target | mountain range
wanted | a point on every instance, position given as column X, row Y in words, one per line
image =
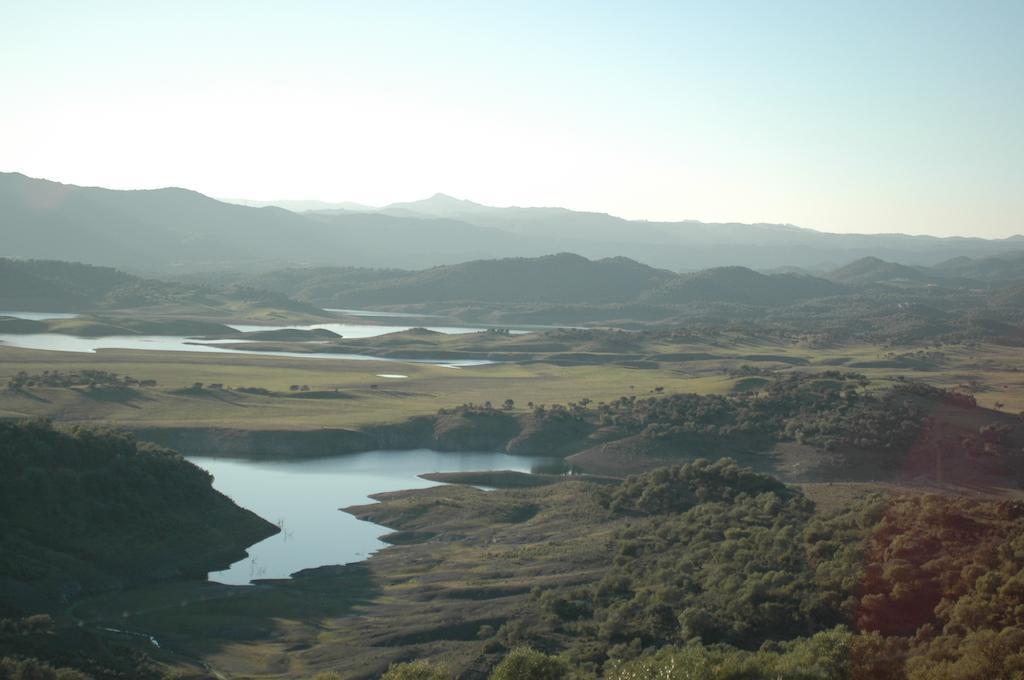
column 179, row 230
column 570, row 279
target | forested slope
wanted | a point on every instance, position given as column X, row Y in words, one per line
column 91, row 510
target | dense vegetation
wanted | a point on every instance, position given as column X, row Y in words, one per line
column 84, row 378
column 827, row 410
column 741, row 579
column 715, row 553
column 716, row 572
column 88, row 510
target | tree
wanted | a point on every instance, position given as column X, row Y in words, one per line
column 523, row 663
column 416, row 670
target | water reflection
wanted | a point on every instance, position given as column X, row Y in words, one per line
column 303, row 498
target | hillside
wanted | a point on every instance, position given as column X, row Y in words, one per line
column 92, row 510
column 179, row 230
column 740, row 285
column 49, row 285
column 874, row 270
column 879, row 301
column 957, row 272
column 1008, row 267
column 565, row 278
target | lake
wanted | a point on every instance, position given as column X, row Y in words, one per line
column 177, row 343
column 58, row 342
column 303, row 497
column 356, row 331
column 39, row 316
column 387, row 315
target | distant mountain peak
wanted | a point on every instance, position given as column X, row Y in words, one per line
column 176, row 227
column 438, row 205
column 443, row 200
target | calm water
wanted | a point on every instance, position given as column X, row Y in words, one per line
column 39, row 316
column 356, row 331
column 304, row 497
column 177, row 343
column 371, row 313
column 170, row 343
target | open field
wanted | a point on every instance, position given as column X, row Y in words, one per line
column 427, row 388
column 348, row 398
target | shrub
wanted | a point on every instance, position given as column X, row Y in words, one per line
column 523, row 663
column 416, row 670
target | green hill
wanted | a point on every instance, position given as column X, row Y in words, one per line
column 740, row 285
column 50, row 285
column 563, row 278
column 869, row 270
column 93, row 510
column 1008, row 267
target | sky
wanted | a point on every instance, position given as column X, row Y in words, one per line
column 841, row 116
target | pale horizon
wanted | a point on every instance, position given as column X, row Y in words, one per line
column 332, row 202
column 855, row 118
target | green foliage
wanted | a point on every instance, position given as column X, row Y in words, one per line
column 523, row 663
column 678, row 488
column 719, row 554
column 825, row 656
column 32, row 669
column 94, row 508
column 827, row 410
column 416, row 670
column 933, row 585
column 84, row 377
column 947, row 576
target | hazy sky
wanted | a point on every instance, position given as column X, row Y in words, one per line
column 842, row 116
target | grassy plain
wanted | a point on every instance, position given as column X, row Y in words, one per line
column 427, row 388
column 352, row 393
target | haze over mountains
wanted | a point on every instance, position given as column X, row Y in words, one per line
column 567, row 278
column 167, row 230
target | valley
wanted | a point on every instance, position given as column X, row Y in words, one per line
column 511, row 341
column 461, row 465
column 435, row 489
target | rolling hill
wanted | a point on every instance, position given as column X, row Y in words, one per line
column 1005, row 267
column 739, row 285
column 562, row 279
column 959, row 272
column 54, row 286
column 176, row 230
column 874, row 270
column 180, row 230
